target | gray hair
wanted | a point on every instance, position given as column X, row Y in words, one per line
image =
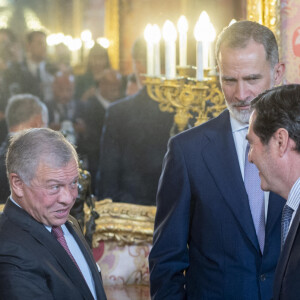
column 21, row 108
column 240, row 33
column 29, row 147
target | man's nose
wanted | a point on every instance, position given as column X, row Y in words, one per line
column 69, row 194
column 241, row 91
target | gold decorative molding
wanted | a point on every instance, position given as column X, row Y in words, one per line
column 112, row 31
column 122, row 222
column 265, row 12
column 1, row 207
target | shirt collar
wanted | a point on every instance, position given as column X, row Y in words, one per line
column 236, row 125
column 294, row 196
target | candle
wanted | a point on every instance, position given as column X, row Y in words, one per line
column 199, row 51
column 156, row 40
column 199, row 61
column 148, row 37
column 182, row 26
column 211, row 35
column 170, row 35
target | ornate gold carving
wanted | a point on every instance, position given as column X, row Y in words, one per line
column 112, row 25
column 265, row 12
column 1, row 207
column 122, row 222
column 187, row 97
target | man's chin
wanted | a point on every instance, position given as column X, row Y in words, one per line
column 241, row 115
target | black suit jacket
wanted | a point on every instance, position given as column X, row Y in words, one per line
column 134, row 141
column 287, row 275
column 4, row 185
column 205, row 245
column 33, row 265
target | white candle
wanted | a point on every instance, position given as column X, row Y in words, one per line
column 212, row 64
column 199, row 61
column 170, row 35
column 205, row 54
column 199, row 51
column 211, row 50
column 156, row 39
column 148, row 38
column 182, row 26
column 150, row 65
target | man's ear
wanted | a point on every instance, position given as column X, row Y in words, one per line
column 278, row 73
column 16, row 184
column 281, row 137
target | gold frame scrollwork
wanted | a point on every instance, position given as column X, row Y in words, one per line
column 112, row 31
column 265, row 12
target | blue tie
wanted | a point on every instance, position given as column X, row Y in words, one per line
column 256, row 199
column 287, row 213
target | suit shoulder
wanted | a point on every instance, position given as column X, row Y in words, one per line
column 205, row 130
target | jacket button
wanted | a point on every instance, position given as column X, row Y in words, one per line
column 262, row 277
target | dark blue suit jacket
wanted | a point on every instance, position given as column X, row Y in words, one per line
column 34, row 266
column 133, row 144
column 205, row 245
column 287, row 275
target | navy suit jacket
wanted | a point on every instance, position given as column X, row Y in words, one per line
column 287, row 275
column 33, row 265
column 133, row 144
column 205, row 245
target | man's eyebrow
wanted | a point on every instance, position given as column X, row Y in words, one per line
column 252, row 76
column 228, row 78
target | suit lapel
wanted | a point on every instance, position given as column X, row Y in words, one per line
column 76, row 232
column 275, row 207
column 221, row 159
column 41, row 234
column 285, row 255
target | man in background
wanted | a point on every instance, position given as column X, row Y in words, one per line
column 43, row 254
column 34, row 74
column 213, row 237
column 274, row 138
column 133, row 143
column 109, row 89
column 23, row 111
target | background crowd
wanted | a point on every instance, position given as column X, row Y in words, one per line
column 122, row 147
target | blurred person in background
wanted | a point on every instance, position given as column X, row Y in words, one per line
column 23, row 111
column 133, row 143
column 109, row 89
column 86, row 84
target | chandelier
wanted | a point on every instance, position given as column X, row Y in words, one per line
column 192, row 93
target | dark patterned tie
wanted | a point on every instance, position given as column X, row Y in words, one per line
column 59, row 235
column 287, row 213
column 256, row 199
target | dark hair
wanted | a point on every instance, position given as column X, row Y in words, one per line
column 278, row 108
column 139, row 50
column 240, row 33
column 9, row 33
column 30, row 35
column 98, row 50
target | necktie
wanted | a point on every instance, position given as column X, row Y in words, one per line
column 287, row 213
column 256, row 199
column 59, row 235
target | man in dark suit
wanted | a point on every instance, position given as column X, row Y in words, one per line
column 23, row 111
column 206, row 243
column 274, row 138
column 109, row 90
column 34, row 74
column 134, row 140
column 43, row 254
